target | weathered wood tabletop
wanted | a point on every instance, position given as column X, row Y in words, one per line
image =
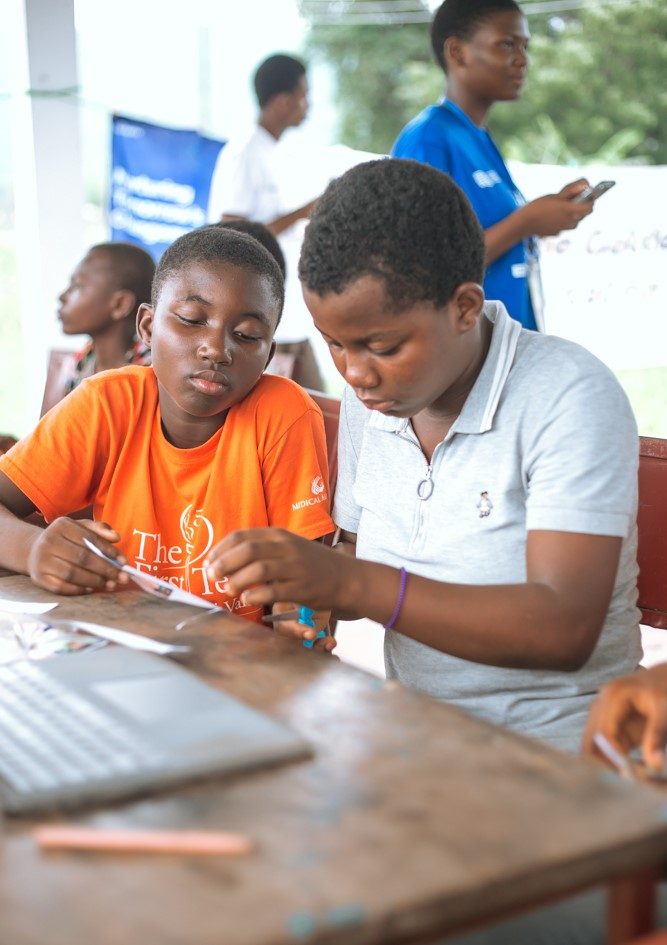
column 411, row 820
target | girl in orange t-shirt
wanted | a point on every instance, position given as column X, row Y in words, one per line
column 175, row 456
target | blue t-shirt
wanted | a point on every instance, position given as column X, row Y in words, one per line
column 444, row 137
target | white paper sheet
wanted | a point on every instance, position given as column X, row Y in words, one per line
column 134, row 640
column 24, row 607
column 153, row 585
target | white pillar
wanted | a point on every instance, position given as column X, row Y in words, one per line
column 48, row 175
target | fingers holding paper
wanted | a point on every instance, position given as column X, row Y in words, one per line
column 60, row 562
column 631, row 712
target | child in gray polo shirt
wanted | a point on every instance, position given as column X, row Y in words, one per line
column 487, row 474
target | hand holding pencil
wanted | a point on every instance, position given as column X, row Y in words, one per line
column 309, row 625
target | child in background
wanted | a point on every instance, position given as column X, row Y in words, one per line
column 102, row 300
column 487, row 474
column 174, row 456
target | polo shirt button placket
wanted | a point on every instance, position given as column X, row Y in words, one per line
column 424, row 493
column 425, row 487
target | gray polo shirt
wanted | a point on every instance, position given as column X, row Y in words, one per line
column 545, row 440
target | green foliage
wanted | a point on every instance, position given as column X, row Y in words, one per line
column 595, row 90
column 383, row 77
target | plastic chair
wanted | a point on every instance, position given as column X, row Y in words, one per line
column 59, row 370
column 282, row 364
column 652, row 531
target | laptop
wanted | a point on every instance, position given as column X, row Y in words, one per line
column 108, row 723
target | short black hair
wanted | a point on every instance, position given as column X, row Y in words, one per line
column 400, row 221
column 215, row 244
column 462, row 18
column 279, row 73
column 262, row 234
column 131, row 269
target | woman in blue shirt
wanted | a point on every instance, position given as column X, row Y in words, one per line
column 481, row 45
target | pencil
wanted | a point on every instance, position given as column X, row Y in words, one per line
column 285, row 615
column 187, row 842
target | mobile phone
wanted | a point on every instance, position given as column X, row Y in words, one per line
column 592, row 193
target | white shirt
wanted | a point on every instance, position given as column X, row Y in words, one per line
column 244, row 179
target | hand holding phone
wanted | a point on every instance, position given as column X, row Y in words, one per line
column 592, row 193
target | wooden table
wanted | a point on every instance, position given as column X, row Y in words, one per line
column 411, row 821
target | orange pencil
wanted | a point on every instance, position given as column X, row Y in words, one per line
column 187, row 842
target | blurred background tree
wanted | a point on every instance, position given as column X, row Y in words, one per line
column 595, row 91
column 380, row 62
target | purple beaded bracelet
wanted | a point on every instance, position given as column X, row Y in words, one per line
column 399, row 603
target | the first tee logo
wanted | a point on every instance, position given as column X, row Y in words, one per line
column 182, row 563
column 194, row 525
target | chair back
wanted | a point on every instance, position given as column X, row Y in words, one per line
column 658, row 938
column 652, row 529
column 59, row 370
column 330, row 407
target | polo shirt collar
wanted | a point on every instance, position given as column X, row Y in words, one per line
column 480, row 407
column 481, row 404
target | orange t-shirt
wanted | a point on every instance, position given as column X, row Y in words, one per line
column 103, row 446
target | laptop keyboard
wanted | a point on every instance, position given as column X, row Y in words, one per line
column 52, row 739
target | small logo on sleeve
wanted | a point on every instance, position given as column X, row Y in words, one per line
column 318, row 495
column 484, row 505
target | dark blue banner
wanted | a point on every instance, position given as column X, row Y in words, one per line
column 160, row 182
